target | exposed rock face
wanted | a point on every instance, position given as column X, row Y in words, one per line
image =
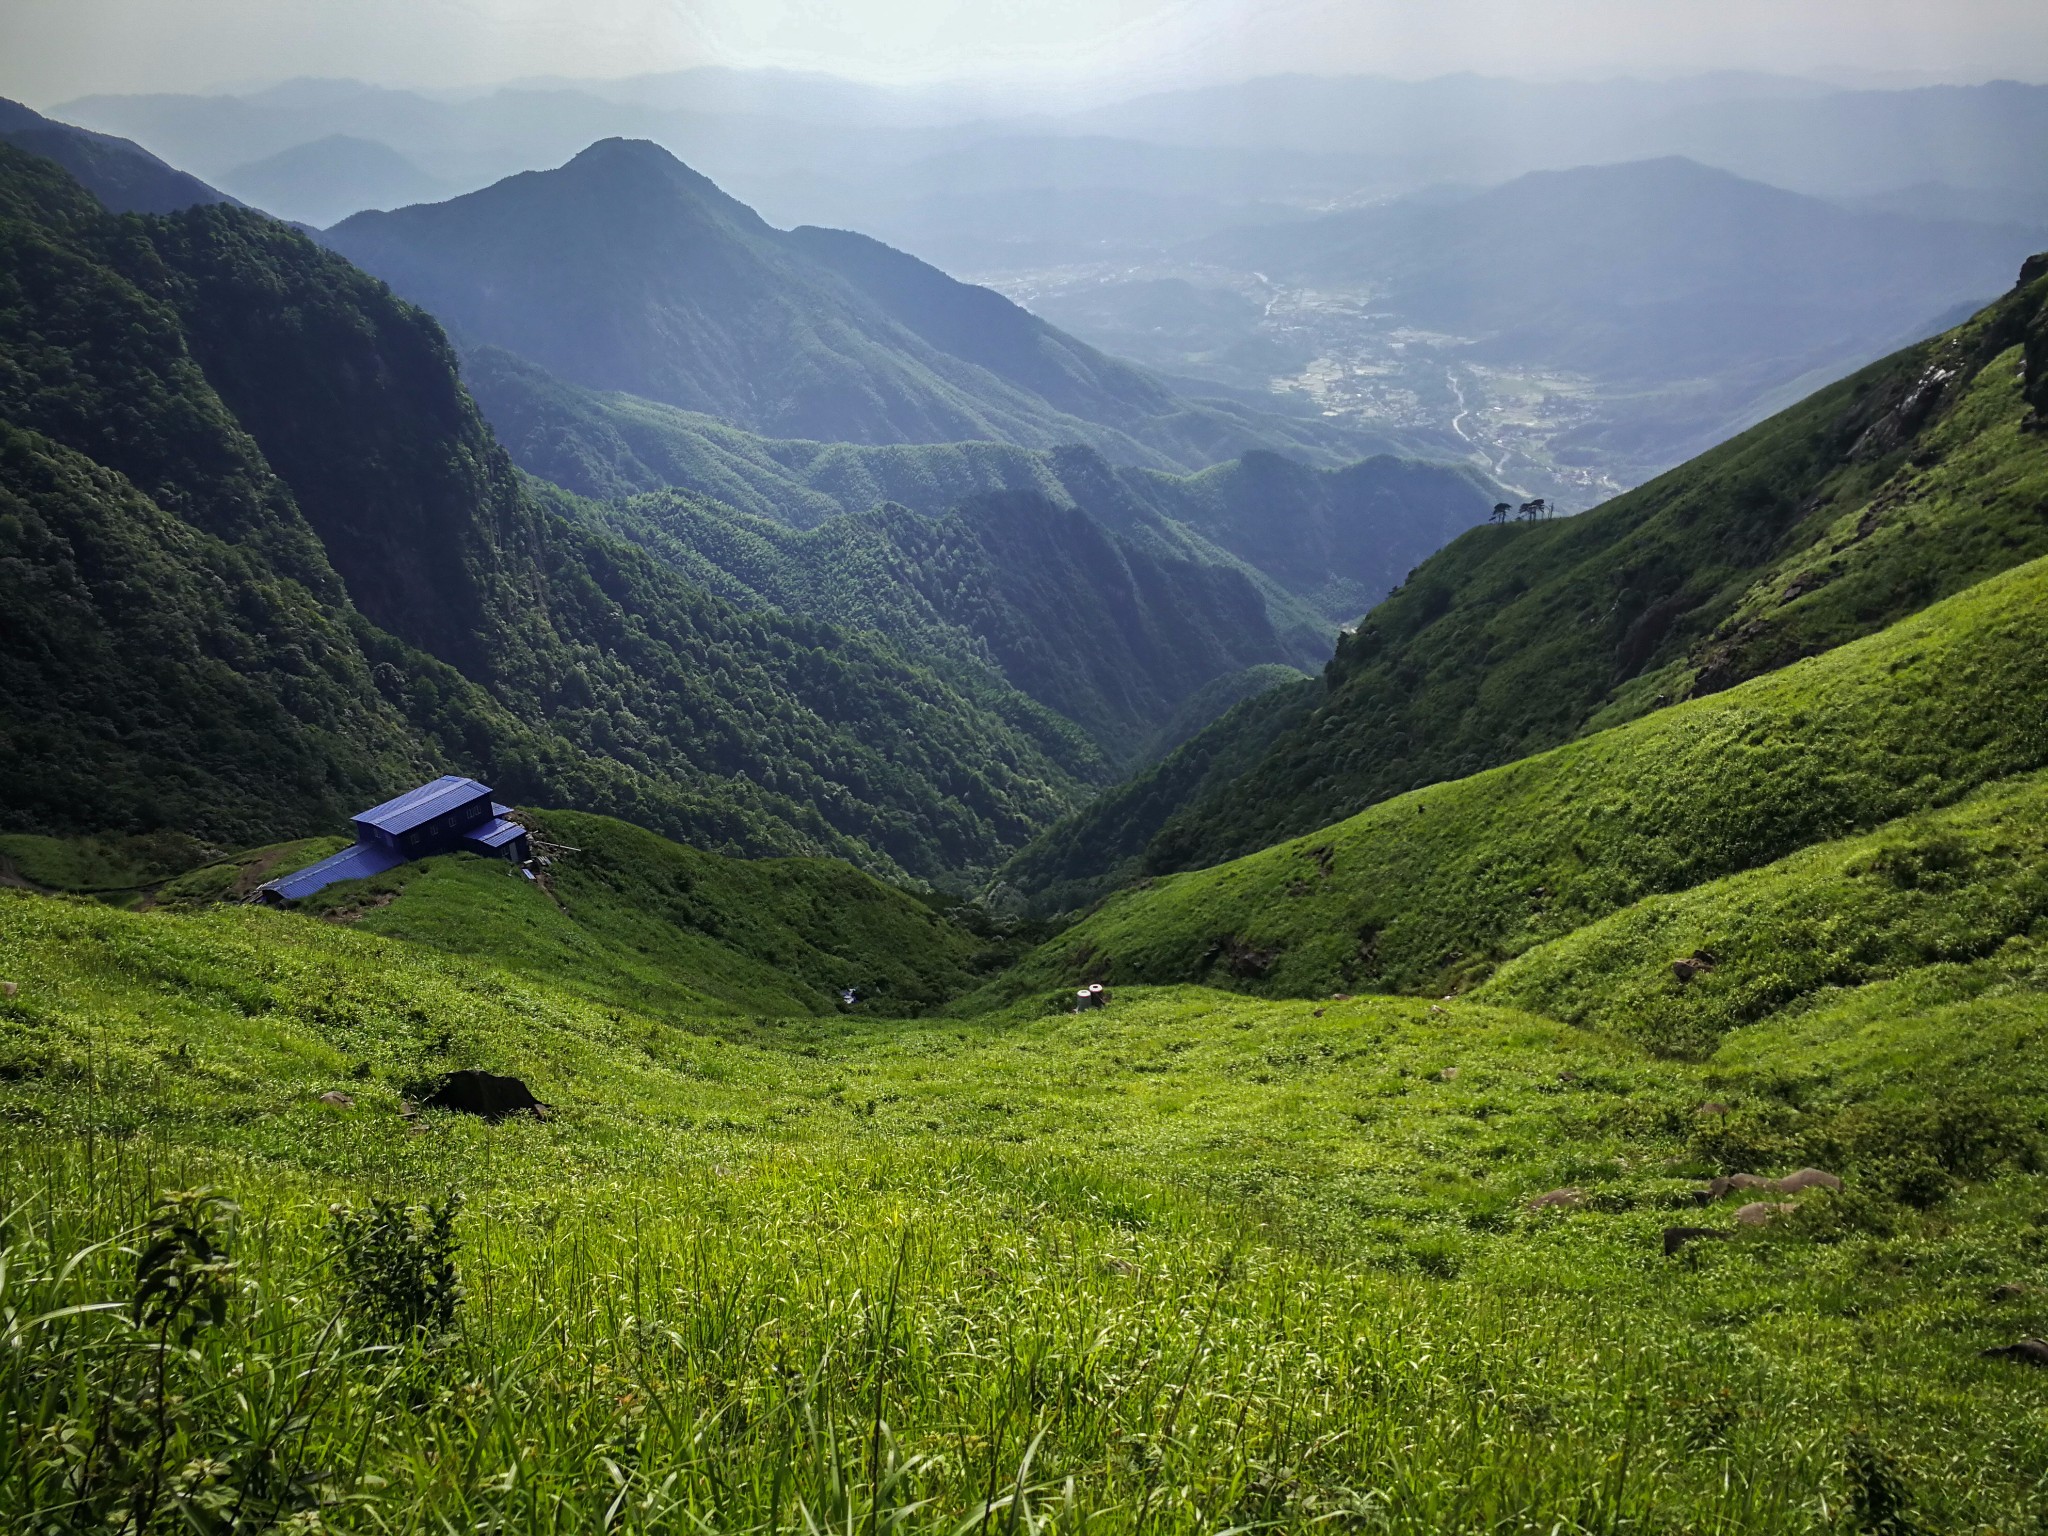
column 486, row 1095
column 2026, row 1352
column 1699, row 963
column 1558, row 1199
column 1807, row 1178
column 1762, row 1212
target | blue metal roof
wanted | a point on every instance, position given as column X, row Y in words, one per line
column 357, row 862
column 418, row 806
column 494, row 834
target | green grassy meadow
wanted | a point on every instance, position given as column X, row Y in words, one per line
column 1199, row 1262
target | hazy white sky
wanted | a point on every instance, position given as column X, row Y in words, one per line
column 51, row 50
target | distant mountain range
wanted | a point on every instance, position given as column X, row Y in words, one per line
column 1649, row 269
column 984, row 192
column 1586, row 326
column 1794, row 133
column 626, row 270
column 325, row 181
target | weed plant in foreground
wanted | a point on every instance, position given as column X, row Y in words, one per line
column 1203, row 1262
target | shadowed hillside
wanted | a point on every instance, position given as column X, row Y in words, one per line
column 1334, row 538
column 269, row 565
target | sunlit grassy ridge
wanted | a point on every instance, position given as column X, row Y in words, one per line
column 1945, row 888
column 1197, row 1262
column 1888, row 490
column 1432, row 890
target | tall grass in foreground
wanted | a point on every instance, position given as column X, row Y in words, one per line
column 963, row 1340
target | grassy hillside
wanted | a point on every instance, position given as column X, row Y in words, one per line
column 1900, row 485
column 1432, row 890
column 268, row 566
column 1961, row 892
column 636, row 921
column 1200, row 1261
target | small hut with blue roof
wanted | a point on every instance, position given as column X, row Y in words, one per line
column 450, row 815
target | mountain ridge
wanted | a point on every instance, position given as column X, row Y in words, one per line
column 685, row 295
column 122, row 175
column 1329, row 537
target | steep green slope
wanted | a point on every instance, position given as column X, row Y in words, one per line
column 1882, row 493
column 1962, row 890
column 1432, row 890
column 626, row 270
column 297, row 572
column 157, row 676
column 1112, row 635
column 1336, row 538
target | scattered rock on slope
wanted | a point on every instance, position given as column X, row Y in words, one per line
column 485, row 1094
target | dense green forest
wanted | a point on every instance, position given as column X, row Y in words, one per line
column 1882, row 493
column 268, row 565
column 1332, row 540
column 1113, row 635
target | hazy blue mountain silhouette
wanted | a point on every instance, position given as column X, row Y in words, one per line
column 626, row 270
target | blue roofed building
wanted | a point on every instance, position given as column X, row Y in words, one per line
column 449, row 815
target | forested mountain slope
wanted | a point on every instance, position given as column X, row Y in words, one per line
column 1903, row 483
column 265, row 564
column 626, row 270
column 121, row 174
column 1431, row 891
column 1336, row 538
column 1113, row 635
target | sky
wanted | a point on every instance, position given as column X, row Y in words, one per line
column 53, row 50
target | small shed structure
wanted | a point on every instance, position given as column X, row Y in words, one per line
column 449, row 815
